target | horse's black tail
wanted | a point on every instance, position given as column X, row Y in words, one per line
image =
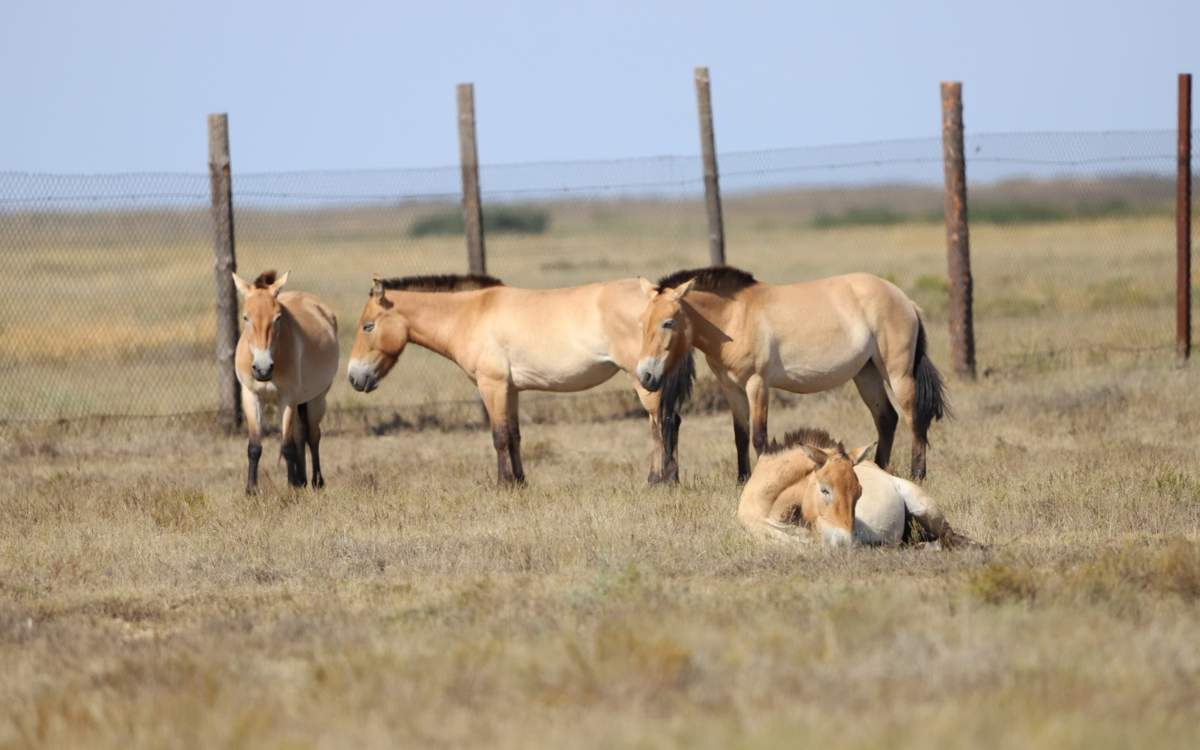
column 676, row 390
column 929, row 401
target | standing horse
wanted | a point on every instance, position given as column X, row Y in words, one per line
column 804, row 338
column 287, row 354
column 509, row 340
column 810, row 481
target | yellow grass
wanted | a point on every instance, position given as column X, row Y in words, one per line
column 145, row 602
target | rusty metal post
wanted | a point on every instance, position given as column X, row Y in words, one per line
column 712, row 187
column 229, row 402
column 468, row 156
column 1183, row 225
column 958, row 250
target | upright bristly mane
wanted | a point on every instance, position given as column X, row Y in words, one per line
column 716, row 279
column 264, row 280
column 446, row 282
column 810, row 436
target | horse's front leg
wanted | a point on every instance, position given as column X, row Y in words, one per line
column 495, row 395
column 292, row 437
column 759, row 396
column 663, row 464
column 739, row 408
column 252, row 409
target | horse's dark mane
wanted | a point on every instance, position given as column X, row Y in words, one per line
column 264, row 280
column 717, row 279
column 810, row 436
column 446, row 282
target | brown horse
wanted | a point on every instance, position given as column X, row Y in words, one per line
column 509, row 340
column 810, row 479
column 287, row 353
column 805, row 338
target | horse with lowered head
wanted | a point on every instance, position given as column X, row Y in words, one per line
column 287, row 354
column 509, row 340
column 805, row 338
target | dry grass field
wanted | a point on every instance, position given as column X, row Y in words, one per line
column 146, row 602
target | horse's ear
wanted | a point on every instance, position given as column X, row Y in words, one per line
column 274, row 288
column 378, row 292
column 816, row 455
column 648, row 288
column 859, row 455
column 242, row 287
column 678, row 292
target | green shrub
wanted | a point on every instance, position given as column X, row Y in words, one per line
column 496, row 220
column 867, row 216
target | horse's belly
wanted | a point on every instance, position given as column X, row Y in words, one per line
column 564, row 380
column 824, row 360
column 879, row 514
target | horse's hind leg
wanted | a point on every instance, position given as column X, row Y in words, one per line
column 252, row 409
column 292, row 439
column 874, row 394
column 514, row 436
column 313, row 412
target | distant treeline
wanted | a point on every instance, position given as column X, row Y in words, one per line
column 496, row 219
column 1016, row 212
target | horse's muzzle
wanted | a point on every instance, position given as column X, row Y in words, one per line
column 649, row 374
column 262, row 375
column 650, row 383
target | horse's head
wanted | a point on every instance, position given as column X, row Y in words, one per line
column 666, row 333
column 381, row 336
column 261, row 311
column 833, row 491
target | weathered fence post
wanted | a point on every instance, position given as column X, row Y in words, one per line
column 468, row 156
column 229, row 403
column 1183, row 225
column 958, row 251
column 712, row 186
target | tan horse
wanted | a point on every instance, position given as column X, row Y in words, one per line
column 287, row 354
column 804, row 338
column 809, row 481
column 509, row 340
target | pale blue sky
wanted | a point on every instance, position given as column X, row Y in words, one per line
column 125, row 85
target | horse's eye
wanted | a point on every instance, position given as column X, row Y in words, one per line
column 277, row 317
column 825, row 491
column 245, row 318
column 668, row 324
column 368, row 326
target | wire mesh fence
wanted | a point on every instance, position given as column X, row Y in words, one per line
column 106, row 303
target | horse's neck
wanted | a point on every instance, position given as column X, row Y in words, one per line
column 710, row 315
column 433, row 318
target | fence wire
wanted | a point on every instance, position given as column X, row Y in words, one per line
column 106, row 303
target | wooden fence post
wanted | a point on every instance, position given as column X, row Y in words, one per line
column 712, row 187
column 1183, row 225
column 958, row 251
column 468, row 156
column 229, row 403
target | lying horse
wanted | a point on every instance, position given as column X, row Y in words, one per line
column 509, row 340
column 810, row 481
column 287, row 353
column 805, row 338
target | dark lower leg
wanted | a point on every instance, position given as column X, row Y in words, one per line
column 514, row 452
column 500, row 442
column 760, row 437
column 318, row 480
column 918, row 457
column 885, row 426
column 741, row 440
column 253, row 453
column 295, row 475
column 670, row 466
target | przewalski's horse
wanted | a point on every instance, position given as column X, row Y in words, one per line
column 805, row 337
column 510, row 340
column 287, row 354
column 807, row 481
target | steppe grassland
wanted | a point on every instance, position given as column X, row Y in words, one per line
column 144, row 601
column 119, row 320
